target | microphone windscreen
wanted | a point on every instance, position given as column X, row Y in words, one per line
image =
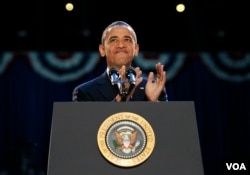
column 130, row 71
column 113, row 71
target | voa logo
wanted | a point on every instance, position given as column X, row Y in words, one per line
column 236, row 166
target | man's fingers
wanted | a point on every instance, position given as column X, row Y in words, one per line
column 150, row 76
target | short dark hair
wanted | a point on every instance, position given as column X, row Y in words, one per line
column 118, row 23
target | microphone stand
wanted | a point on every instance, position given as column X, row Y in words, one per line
column 120, row 85
column 123, row 92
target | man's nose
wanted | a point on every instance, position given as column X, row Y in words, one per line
column 121, row 44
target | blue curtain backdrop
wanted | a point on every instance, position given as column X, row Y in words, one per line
column 218, row 83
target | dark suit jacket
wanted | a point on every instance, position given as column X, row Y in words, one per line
column 101, row 89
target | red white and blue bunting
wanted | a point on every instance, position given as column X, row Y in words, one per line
column 64, row 67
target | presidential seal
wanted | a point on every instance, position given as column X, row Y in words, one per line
column 126, row 139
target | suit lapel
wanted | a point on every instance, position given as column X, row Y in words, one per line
column 105, row 87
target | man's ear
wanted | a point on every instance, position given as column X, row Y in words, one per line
column 101, row 50
column 136, row 49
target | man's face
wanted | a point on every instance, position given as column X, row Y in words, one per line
column 119, row 47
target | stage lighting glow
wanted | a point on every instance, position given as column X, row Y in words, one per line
column 180, row 7
column 69, row 6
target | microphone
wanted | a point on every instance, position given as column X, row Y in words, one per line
column 114, row 76
column 130, row 74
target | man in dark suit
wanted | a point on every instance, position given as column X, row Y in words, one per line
column 119, row 46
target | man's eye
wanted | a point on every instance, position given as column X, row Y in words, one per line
column 128, row 39
column 112, row 40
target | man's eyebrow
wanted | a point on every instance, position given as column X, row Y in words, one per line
column 128, row 36
column 112, row 37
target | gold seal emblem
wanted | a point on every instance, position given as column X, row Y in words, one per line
column 126, row 139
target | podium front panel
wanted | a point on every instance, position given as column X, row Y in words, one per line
column 73, row 142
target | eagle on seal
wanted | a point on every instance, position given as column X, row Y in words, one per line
column 126, row 140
